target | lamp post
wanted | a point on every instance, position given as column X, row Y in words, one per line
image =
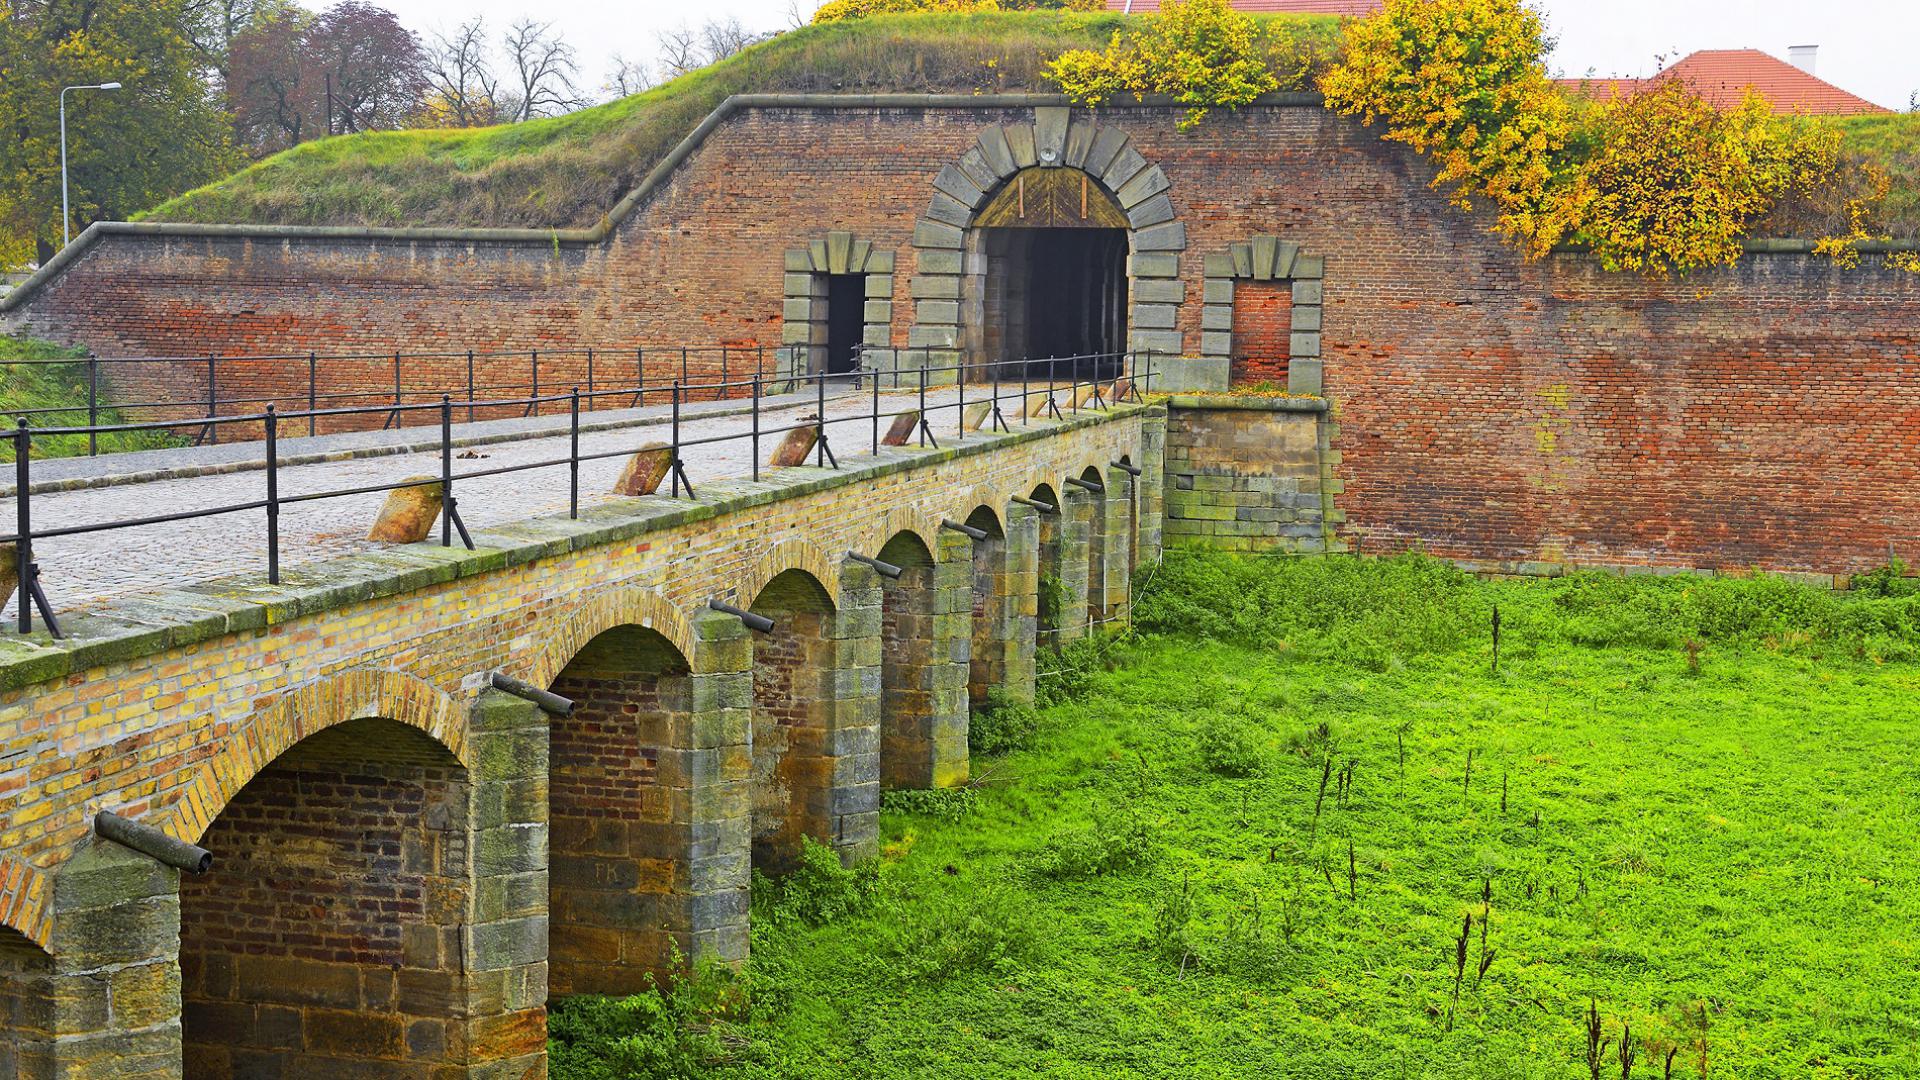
column 66, row 218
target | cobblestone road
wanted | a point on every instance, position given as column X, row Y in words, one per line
column 82, row 571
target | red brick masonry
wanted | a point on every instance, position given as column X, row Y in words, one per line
column 1487, row 408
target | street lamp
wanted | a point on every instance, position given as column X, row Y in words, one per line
column 66, row 219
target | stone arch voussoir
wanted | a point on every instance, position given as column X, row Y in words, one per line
column 614, row 606
column 304, row 710
column 793, row 553
column 899, row 519
column 25, row 893
column 1057, row 137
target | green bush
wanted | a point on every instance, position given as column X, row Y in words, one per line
column 1066, row 674
column 669, row 1034
column 944, row 804
column 956, row 932
column 819, row 890
column 1001, row 723
column 1119, row 839
column 1228, row 746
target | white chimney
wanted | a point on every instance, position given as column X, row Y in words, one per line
column 1802, row 56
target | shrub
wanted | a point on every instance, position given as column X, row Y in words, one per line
column 1465, row 82
column 956, row 932
column 946, row 804
column 819, row 890
column 1201, row 53
column 670, row 1032
column 1001, row 723
column 1066, row 674
column 1673, row 183
column 1119, row 839
column 1228, row 747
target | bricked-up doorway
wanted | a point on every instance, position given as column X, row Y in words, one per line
column 329, row 941
column 26, row 1020
column 1262, row 332
column 923, row 664
column 793, row 719
column 846, row 319
column 621, row 843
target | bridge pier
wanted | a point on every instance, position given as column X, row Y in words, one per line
column 926, row 647
column 1114, row 572
column 1005, row 603
column 112, row 984
column 816, row 717
column 1069, row 560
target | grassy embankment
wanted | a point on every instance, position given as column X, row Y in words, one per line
column 47, row 380
column 1251, row 848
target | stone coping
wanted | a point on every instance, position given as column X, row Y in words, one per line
column 1249, row 403
column 154, row 622
column 659, row 174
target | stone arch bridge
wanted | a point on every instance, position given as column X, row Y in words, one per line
column 407, row 860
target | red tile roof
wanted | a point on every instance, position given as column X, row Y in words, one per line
column 1723, row 76
column 1355, row 8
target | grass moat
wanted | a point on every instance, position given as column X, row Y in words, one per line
column 1305, row 823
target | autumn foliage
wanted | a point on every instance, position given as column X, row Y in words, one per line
column 1199, row 53
column 1659, row 182
column 1465, row 82
column 842, row 10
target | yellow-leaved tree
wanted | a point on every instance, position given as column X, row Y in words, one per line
column 1672, row 183
column 1201, row 53
column 1465, row 82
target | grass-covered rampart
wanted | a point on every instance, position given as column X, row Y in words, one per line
column 1306, row 827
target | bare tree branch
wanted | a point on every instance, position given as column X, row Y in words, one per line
column 627, row 77
column 463, row 77
column 546, row 67
column 679, row 51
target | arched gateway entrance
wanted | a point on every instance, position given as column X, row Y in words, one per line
column 1053, row 237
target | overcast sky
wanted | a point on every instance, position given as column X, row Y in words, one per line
column 1866, row 46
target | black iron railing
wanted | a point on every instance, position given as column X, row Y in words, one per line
column 1049, row 389
column 319, row 386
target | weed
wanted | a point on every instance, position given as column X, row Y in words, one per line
column 1119, row 839
column 956, row 932
column 819, row 890
column 1001, row 724
column 1228, row 747
column 945, row 804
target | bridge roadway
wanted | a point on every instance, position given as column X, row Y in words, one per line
column 84, row 570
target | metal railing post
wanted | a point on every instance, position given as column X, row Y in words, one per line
column 590, row 398
column 756, row 427
column 469, row 386
column 27, row 590
column 313, row 393
column 960, row 384
column 23, row 522
column 820, row 419
column 573, row 458
column 724, row 388
column 93, row 404
column 213, row 401
column 273, row 495
column 446, row 471
column 395, row 418
column 533, row 402
column 639, row 376
column 876, row 411
column 673, row 461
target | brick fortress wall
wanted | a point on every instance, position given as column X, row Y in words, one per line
column 1491, row 409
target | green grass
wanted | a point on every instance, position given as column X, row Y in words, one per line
column 1712, row 843
column 568, row 171
column 36, row 375
column 1891, row 142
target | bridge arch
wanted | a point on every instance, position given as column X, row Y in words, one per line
column 305, row 710
column 344, row 883
column 601, row 611
column 791, row 554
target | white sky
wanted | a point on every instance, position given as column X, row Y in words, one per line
column 1866, row 46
